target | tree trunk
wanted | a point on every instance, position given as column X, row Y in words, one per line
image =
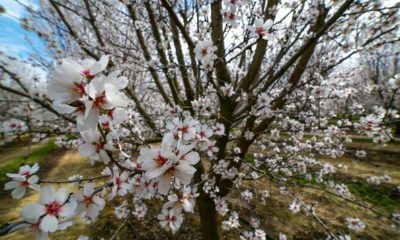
column 210, row 222
column 209, row 219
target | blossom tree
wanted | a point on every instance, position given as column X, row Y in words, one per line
column 190, row 102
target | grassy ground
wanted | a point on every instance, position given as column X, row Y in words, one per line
column 58, row 164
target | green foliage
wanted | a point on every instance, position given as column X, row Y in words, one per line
column 378, row 196
column 13, row 165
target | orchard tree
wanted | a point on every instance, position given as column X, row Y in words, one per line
column 192, row 102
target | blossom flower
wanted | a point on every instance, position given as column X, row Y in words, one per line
column 140, row 210
column 219, row 129
column 184, row 201
column 261, row 29
column 22, row 180
column 247, row 195
column 170, row 219
column 94, row 204
column 13, row 125
column 52, row 208
column 95, row 147
column 122, row 210
column 164, row 163
column 355, row 224
column 248, row 135
column 204, row 51
column 227, row 90
column 259, row 234
column 69, row 80
column 187, row 127
column 232, row 222
column 104, row 93
column 264, row 100
column 247, row 235
column 120, row 186
column 282, row 236
column 369, row 124
column 230, row 16
column 361, row 154
column 204, row 133
column 211, row 148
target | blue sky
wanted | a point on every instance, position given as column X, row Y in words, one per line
column 12, row 36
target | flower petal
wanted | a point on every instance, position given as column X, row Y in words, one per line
column 33, row 211
column 68, row 209
column 62, row 195
column 47, row 195
column 49, row 223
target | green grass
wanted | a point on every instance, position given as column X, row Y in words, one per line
column 13, row 165
column 375, row 195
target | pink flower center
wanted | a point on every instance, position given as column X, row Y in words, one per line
column 185, row 129
column 99, row 146
column 118, row 181
column 171, row 171
column 24, row 184
column 260, row 30
column 110, row 112
column 53, row 208
column 88, row 200
column 105, row 125
column 25, row 173
column 80, row 89
column 86, row 73
column 170, row 218
column 161, row 160
column 100, row 101
column 204, row 51
column 202, row 133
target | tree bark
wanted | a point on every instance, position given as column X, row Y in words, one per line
column 209, row 219
column 210, row 222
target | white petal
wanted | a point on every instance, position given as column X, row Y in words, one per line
column 193, row 157
column 62, row 195
column 120, row 82
column 49, row 223
column 33, row 211
column 86, row 149
column 47, row 195
column 16, row 176
column 68, row 209
column 88, row 189
column 93, row 211
column 11, row 185
column 100, row 65
column 18, row 192
column 63, row 108
column 33, row 179
column 34, row 168
column 164, row 184
column 99, row 202
column 104, row 156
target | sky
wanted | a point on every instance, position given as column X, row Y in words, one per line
column 12, row 35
